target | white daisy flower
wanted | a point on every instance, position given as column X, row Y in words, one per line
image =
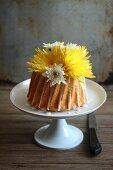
column 51, row 45
column 71, row 45
column 55, row 74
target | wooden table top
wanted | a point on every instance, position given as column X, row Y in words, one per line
column 19, row 151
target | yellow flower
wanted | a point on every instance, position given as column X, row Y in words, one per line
column 74, row 60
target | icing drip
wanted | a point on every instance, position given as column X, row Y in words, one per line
column 77, row 92
column 69, row 94
column 42, row 93
column 49, row 100
column 31, row 90
column 33, row 77
column 60, row 97
column 36, row 88
column 85, row 90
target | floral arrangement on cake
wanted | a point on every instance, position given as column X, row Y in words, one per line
column 58, row 61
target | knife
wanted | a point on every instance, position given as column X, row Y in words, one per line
column 95, row 146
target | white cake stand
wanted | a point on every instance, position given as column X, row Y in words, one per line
column 58, row 134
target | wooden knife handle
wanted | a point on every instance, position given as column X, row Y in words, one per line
column 94, row 144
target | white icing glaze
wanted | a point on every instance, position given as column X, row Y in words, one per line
column 37, row 87
column 30, row 92
column 60, row 97
column 50, row 95
column 31, row 84
column 69, row 94
column 85, row 90
column 42, row 93
column 77, row 92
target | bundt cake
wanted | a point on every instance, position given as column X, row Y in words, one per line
column 58, row 77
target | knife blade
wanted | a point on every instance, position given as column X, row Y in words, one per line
column 94, row 144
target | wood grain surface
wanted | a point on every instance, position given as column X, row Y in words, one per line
column 18, row 151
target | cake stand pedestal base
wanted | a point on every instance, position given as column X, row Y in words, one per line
column 58, row 135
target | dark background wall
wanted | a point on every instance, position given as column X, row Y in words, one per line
column 26, row 24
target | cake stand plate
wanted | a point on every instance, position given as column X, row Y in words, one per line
column 58, row 134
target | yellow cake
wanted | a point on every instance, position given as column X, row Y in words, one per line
column 58, row 77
